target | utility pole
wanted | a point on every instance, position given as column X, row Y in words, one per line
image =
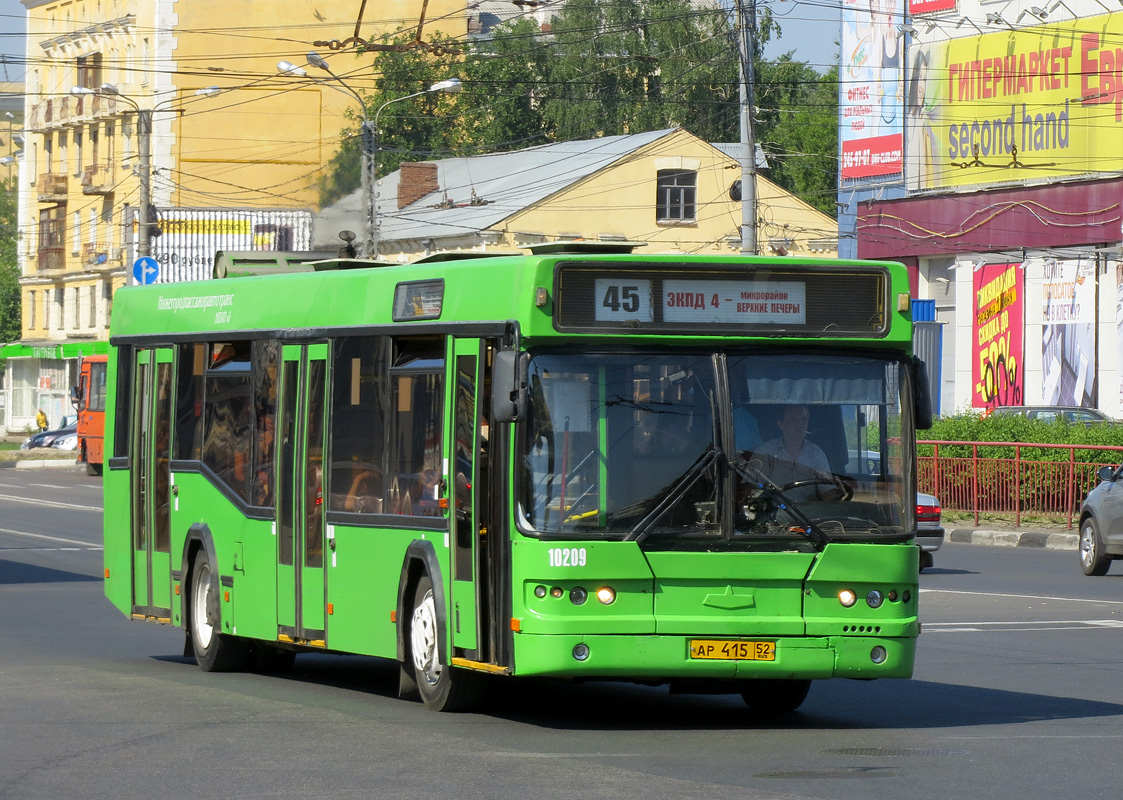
column 144, row 141
column 746, row 26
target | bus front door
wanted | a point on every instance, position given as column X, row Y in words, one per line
column 468, row 601
column 150, row 483
column 300, row 510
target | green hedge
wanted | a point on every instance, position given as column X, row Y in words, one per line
column 970, row 427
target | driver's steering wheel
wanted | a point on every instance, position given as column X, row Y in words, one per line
column 846, row 489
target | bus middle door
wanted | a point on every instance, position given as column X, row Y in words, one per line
column 150, row 482
column 300, row 511
column 468, row 591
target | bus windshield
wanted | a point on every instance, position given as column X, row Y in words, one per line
column 716, row 447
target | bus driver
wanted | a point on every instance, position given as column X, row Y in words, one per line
column 790, row 458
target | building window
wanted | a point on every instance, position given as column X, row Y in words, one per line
column 675, row 195
column 47, row 309
column 31, row 310
column 89, row 71
column 93, row 305
column 77, row 307
column 76, row 238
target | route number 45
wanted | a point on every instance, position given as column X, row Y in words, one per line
column 622, row 298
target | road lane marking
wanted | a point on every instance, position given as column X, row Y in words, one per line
column 1021, row 626
column 51, row 503
column 90, row 545
column 1021, row 596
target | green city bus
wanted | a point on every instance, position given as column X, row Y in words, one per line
column 556, row 464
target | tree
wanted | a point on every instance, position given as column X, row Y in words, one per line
column 604, row 67
column 9, row 268
column 798, row 129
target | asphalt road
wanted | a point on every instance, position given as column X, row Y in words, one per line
column 1014, row 698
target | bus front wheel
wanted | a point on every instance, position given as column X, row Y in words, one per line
column 770, row 698
column 442, row 687
column 214, row 651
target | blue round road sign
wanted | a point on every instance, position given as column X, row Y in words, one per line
column 145, row 270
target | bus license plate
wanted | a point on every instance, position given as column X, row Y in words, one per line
column 732, row 651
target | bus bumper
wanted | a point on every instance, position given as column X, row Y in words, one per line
column 667, row 657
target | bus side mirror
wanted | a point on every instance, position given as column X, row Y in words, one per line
column 508, row 386
column 76, row 395
column 922, row 395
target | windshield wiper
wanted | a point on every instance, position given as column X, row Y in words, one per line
column 754, row 476
column 672, row 496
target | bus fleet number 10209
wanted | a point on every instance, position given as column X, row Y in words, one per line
column 568, row 557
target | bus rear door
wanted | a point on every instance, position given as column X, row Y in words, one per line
column 150, row 482
column 300, row 509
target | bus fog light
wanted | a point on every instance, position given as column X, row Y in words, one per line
column 557, row 591
column 540, row 591
column 847, row 598
column 878, row 655
column 578, row 596
column 581, row 652
column 874, row 599
column 607, row 595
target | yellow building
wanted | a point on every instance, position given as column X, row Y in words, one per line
column 667, row 188
column 228, row 131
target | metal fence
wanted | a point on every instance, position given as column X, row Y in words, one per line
column 1013, row 485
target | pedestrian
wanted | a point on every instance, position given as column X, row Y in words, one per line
column 41, row 420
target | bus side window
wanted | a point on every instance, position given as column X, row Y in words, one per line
column 360, row 410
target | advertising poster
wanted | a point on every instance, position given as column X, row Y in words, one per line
column 997, row 373
column 997, row 107
column 871, row 88
column 1068, row 347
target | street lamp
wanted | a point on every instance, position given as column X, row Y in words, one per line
column 144, row 145
column 368, row 137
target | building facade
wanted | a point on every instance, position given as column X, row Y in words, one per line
column 980, row 144
column 197, row 86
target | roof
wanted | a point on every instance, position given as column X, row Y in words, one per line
column 478, row 192
column 733, row 150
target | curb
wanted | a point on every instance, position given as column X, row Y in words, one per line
column 1040, row 539
column 29, row 463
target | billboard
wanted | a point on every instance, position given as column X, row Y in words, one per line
column 1040, row 102
column 871, row 89
column 997, row 372
column 189, row 238
column 1068, row 346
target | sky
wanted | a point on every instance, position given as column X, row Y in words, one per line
column 810, row 28
column 13, row 26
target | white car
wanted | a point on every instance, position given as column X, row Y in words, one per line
column 929, row 531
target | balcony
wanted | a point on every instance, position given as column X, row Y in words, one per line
column 97, row 179
column 51, row 259
column 96, row 253
column 53, row 187
column 56, row 112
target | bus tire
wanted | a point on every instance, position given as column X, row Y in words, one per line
column 214, row 651
column 441, row 686
column 771, row 698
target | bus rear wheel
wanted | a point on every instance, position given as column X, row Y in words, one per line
column 442, row 687
column 771, row 698
column 214, row 651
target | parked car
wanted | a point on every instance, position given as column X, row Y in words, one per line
column 1087, row 416
column 48, row 438
column 929, row 531
column 68, row 441
column 1101, row 522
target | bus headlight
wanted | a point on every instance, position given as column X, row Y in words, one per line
column 874, row 599
column 607, row 595
column 847, row 598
